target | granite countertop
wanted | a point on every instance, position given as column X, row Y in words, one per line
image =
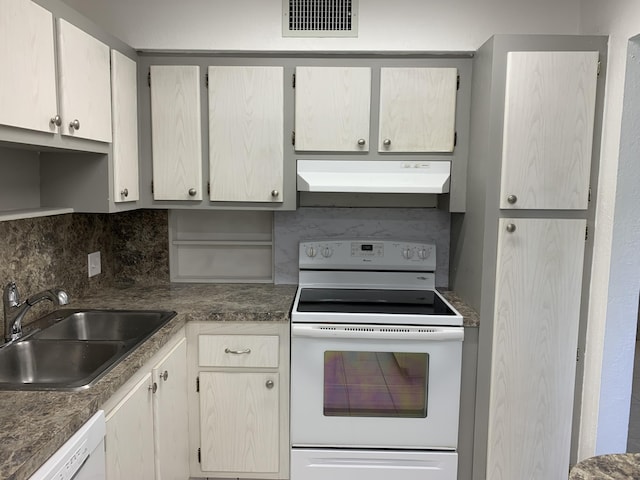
column 33, row 425
column 622, row 466
column 470, row 317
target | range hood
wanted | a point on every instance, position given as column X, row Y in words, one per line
column 373, row 176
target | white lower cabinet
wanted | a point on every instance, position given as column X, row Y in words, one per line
column 239, row 425
column 239, row 422
column 147, row 424
column 535, row 337
column 129, row 437
column 171, row 423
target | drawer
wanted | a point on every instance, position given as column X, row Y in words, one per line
column 238, row 350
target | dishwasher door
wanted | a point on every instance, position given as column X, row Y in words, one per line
column 81, row 457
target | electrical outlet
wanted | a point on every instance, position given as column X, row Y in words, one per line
column 94, row 264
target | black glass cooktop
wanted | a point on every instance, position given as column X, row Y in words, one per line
column 356, row 300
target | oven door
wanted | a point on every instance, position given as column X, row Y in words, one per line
column 375, row 386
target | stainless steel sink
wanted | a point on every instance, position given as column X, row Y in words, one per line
column 72, row 349
column 92, row 325
column 45, row 365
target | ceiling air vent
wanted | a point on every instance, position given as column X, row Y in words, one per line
column 320, row 18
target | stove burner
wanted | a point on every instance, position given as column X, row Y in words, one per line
column 356, row 300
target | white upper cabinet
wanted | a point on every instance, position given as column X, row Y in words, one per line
column 125, row 128
column 417, row 109
column 28, row 81
column 332, row 107
column 246, row 123
column 176, row 132
column 548, row 129
column 85, row 84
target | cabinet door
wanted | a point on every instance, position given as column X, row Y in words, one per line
column 28, row 80
column 246, row 122
column 170, row 415
column 125, row 128
column 85, row 84
column 332, row 109
column 176, row 133
column 129, row 437
column 548, row 129
column 239, row 429
column 417, row 109
column 535, row 332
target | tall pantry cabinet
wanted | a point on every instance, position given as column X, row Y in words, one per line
column 519, row 251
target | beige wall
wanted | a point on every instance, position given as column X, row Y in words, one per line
column 383, row 25
column 621, row 20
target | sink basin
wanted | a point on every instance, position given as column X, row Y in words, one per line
column 121, row 325
column 73, row 348
column 45, row 365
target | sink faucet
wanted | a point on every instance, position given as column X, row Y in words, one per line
column 14, row 310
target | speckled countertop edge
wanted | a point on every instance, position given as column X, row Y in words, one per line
column 470, row 317
column 620, row 466
column 33, row 425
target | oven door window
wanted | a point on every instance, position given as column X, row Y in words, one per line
column 375, row 384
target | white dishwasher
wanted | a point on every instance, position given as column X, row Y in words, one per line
column 81, row 457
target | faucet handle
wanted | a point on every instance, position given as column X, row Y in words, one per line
column 61, row 295
column 11, row 296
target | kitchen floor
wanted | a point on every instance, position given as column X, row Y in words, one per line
column 633, row 442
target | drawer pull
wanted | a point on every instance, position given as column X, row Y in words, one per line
column 246, row 351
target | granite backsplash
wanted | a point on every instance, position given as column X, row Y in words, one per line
column 40, row 253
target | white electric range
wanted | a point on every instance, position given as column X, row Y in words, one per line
column 376, row 355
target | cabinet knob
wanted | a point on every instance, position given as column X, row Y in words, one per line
column 57, row 120
column 192, row 192
column 386, row 142
column 125, row 192
column 153, row 387
column 512, row 199
column 275, row 193
column 269, row 384
column 164, row 376
column 75, row 125
column 511, row 227
column 362, row 142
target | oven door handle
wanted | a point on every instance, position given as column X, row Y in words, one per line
column 378, row 332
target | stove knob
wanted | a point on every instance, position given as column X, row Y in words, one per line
column 327, row 252
column 423, row 253
column 311, row 252
column 407, row 253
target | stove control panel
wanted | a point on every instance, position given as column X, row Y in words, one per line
column 357, row 254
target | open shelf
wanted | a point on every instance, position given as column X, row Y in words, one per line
column 32, row 213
